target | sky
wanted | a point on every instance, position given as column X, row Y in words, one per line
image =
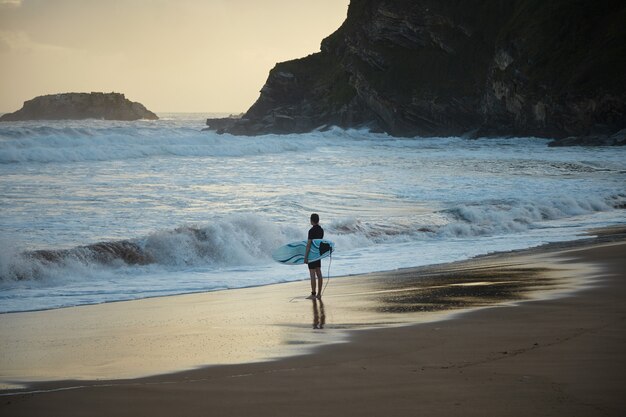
column 170, row 55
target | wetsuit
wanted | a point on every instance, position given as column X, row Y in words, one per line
column 316, row 232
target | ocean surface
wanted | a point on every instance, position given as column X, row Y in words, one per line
column 97, row 211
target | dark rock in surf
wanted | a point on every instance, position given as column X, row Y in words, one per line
column 617, row 139
column 75, row 106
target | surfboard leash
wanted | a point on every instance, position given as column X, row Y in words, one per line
column 330, row 261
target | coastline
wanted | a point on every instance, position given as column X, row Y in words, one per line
column 375, row 359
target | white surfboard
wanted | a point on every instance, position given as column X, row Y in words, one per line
column 293, row 253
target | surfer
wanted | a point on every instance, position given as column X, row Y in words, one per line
column 315, row 267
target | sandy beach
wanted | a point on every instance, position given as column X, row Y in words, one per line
column 537, row 332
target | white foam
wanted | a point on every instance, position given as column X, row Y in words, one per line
column 95, row 140
column 245, row 240
column 201, row 211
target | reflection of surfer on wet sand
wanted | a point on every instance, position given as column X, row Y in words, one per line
column 319, row 316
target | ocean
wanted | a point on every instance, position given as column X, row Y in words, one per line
column 98, row 211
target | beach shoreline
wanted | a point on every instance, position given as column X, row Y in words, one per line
column 448, row 349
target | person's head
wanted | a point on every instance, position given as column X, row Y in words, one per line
column 315, row 219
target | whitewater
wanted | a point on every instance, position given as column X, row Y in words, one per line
column 97, row 211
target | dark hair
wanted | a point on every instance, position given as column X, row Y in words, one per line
column 315, row 218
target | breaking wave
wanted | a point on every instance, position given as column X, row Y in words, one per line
column 103, row 141
column 512, row 216
column 50, row 144
column 247, row 240
column 236, row 241
column 492, row 217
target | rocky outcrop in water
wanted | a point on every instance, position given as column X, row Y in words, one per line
column 616, row 139
column 107, row 106
column 443, row 67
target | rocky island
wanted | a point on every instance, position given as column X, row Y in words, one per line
column 442, row 67
column 68, row 106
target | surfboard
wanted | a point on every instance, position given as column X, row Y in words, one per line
column 293, row 253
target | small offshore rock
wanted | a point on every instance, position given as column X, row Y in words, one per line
column 77, row 106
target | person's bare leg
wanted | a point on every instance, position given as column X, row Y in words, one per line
column 312, row 274
column 320, row 281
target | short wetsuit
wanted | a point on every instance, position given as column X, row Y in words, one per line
column 316, row 232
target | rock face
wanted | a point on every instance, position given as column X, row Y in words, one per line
column 108, row 106
column 447, row 67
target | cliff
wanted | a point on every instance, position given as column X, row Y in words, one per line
column 108, row 106
column 448, row 67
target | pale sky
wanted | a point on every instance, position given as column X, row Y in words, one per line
column 170, row 55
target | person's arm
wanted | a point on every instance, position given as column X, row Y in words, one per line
column 306, row 252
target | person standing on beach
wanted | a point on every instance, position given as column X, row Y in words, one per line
column 315, row 267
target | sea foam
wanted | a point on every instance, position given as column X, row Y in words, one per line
column 244, row 240
column 95, row 211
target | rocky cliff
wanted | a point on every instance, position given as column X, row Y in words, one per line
column 450, row 67
column 108, row 106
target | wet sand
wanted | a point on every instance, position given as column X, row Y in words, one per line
column 448, row 340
